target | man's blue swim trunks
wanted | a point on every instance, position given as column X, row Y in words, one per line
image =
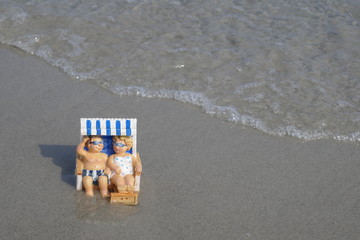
column 95, row 174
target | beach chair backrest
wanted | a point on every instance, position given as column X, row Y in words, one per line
column 107, row 128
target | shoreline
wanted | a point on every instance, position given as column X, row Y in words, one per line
column 203, row 178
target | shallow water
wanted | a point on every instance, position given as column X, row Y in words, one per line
column 283, row 67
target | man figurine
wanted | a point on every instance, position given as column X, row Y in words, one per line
column 94, row 162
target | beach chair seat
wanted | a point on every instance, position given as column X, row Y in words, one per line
column 107, row 128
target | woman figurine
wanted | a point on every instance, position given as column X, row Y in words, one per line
column 123, row 164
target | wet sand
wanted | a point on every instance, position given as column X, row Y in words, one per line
column 203, row 178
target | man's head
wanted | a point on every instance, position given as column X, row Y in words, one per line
column 95, row 144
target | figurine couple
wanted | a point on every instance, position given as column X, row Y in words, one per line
column 98, row 167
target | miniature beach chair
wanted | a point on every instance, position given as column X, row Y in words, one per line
column 107, row 128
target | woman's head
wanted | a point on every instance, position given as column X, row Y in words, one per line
column 126, row 140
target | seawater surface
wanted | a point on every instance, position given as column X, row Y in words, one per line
column 283, row 67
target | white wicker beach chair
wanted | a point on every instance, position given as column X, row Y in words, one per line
column 107, row 128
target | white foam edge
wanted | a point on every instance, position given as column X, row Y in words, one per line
column 230, row 114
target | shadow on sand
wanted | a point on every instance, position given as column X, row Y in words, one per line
column 63, row 156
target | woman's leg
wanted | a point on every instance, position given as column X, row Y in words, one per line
column 119, row 182
column 129, row 182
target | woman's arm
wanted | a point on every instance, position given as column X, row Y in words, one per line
column 137, row 164
column 112, row 166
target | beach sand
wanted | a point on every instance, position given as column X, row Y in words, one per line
column 202, row 178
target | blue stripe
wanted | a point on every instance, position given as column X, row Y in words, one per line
column 108, row 128
column 88, row 127
column 128, row 128
column 118, row 128
column 98, row 127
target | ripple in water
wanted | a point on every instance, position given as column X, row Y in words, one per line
column 287, row 69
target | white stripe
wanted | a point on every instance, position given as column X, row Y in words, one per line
column 103, row 126
column 113, row 127
column 79, row 182
column 83, row 126
column 137, row 184
column 133, row 123
column 123, row 127
column 93, row 126
column 133, row 132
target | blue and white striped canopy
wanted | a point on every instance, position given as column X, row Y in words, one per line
column 108, row 126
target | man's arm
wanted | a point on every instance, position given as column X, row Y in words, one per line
column 80, row 148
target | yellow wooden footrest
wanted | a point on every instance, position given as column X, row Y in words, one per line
column 124, row 198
